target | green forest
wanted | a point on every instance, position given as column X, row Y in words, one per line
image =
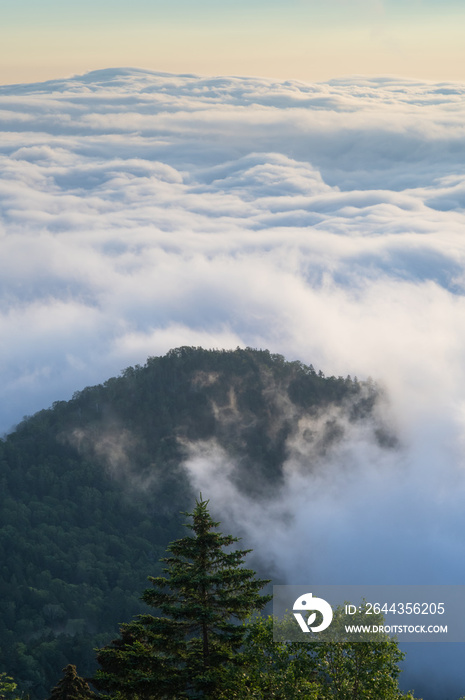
column 92, row 489
column 209, row 640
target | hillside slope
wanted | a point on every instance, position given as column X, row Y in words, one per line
column 92, row 489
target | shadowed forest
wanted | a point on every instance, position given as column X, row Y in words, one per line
column 92, row 489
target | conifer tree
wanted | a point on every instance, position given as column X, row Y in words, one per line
column 188, row 651
column 71, row 687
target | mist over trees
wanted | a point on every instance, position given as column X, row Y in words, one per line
column 91, row 489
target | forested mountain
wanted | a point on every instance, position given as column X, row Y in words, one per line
column 91, row 489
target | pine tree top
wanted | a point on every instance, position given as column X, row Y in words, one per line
column 71, row 686
column 201, row 575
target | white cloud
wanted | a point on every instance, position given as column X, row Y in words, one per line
column 231, row 210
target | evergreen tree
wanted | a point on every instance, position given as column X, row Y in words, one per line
column 71, row 687
column 189, row 651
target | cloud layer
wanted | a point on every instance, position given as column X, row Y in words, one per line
column 141, row 211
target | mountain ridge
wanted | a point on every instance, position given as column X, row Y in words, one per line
column 92, row 487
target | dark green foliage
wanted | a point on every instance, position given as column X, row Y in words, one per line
column 190, row 650
column 88, row 488
column 71, row 687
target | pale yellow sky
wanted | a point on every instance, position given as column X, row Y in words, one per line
column 295, row 46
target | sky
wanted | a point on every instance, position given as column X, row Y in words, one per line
column 293, row 39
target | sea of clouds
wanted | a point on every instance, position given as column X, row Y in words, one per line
column 142, row 211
